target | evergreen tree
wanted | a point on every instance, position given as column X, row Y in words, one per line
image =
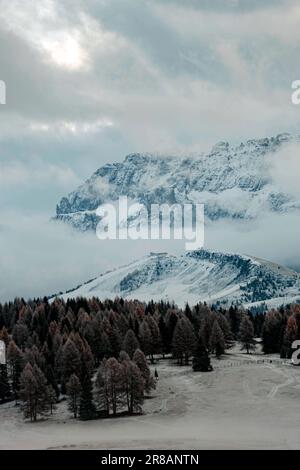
column 87, row 409
column 164, row 335
column 73, row 390
column 155, row 341
column 145, row 337
column 130, row 343
column 115, row 341
column 70, row 360
column 217, row 341
column 272, row 334
column 5, row 392
column 51, row 398
column 201, row 359
column 246, row 334
column 184, row 340
column 14, row 359
column 225, row 327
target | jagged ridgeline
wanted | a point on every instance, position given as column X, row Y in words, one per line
column 232, row 182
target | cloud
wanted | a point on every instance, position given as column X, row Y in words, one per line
column 17, row 173
column 42, row 257
column 285, row 168
column 89, row 81
column 274, row 237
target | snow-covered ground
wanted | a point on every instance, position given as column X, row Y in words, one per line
column 243, row 404
column 199, row 276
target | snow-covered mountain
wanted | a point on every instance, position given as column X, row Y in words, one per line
column 232, row 182
column 197, row 276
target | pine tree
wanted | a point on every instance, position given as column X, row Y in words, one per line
column 70, row 360
column 246, row 334
column 217, row 341
column 145, row 337
column 201, row 359
column 115, row 342
column 73, row 390
column 155, row 342
column 5, row 392
column 140, row 359
column 87, row 408
column 184, row 340
column 20, row 334
column 51, row 398
column 225, row 327
column 130, row 343
column 272, row 334
column 15, row 359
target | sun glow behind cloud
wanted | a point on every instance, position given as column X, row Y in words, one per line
column 65, row 51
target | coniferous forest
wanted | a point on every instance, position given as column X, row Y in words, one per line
column 97, row 354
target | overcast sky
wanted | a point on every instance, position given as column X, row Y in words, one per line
column 90, row 81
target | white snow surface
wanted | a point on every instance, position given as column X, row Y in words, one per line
column 233, row 182
column 196, row 277
column 247, row 402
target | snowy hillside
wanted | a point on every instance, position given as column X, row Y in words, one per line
column 196, row 276
column 232, row 182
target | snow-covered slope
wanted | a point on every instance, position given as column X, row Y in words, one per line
column 232, row 182
column 196, row 276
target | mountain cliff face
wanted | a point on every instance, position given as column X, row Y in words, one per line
column 232, row 182
column 196, row 276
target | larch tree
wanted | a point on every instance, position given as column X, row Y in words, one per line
column 184, row 340
column 155, row 343
column 140, row 359
column 130, row 343
column 101, row 387
column 145, row 338
column 290, row 335
column 15, row 359
column 246, row 334
column 70, row 360
column 133, row 386
column 114, row 384
column 73, row 388
column 33, row 392
column 217, row 341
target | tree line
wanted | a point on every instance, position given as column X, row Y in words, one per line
column 97, row 353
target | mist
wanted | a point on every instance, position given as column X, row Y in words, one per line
column 40, row 257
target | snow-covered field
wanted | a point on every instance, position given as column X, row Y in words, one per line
column 241, row 405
